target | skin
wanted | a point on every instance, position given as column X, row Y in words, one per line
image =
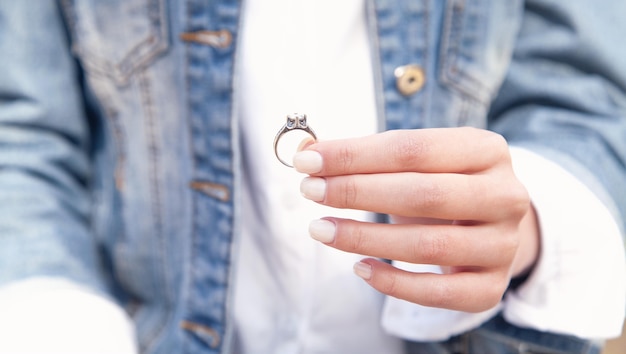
column 454, row 200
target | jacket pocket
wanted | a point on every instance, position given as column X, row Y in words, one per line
column 477, row 45
column 115, row 38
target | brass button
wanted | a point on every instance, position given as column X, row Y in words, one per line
column 409, row 79
column 215, row 190
column 207, row 334
column 216, row 39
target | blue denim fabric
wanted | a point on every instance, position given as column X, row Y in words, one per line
column 500, row 337
column 119, row 152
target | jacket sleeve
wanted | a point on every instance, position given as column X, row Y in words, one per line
column 564, row 96
column 44, row 151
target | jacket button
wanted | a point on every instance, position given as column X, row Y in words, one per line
column 207, row 334
column 217, row 39
column 409, row 79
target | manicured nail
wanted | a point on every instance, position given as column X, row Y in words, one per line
column 305, row 143
column 313, row 188
column 307, row 161
column 322, row 230
column 363, row 270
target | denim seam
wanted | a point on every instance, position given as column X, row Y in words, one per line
column 190, row 106
column 136, row 58
column 153, row 152
column 419, row 101
column 450, row 73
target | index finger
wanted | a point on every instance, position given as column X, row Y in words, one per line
column 450, row 150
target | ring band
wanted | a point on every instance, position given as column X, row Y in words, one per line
column 296, row 121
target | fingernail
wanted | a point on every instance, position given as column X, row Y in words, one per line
column 305, row 143
column 322, row 230
column 307, row 161
column 313, row 188
column 363, row 270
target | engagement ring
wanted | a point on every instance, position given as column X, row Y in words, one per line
column 295, row 121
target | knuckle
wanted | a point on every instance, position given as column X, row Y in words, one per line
column 431, row 250
column 490, row 294
column 410, row 149
column 389, row 285
column 348, row 193
column 508, row 193
column 522, row 199
column 428, row 196
column 510, row 244
column 493, row 294
column 517, row 200
column 508, row 249
column 357, row 239
column 345, row 157
column 490, row 301
column 442, row 295
column 498, row 143
column 497, row 148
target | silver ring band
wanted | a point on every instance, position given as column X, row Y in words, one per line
column 296, row 121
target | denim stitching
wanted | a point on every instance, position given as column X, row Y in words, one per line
column 150, row 122
column 137, row 57
column 450, row 73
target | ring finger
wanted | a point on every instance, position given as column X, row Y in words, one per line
column 446, row 245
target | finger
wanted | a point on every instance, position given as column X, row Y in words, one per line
column 458, row 150
column 466, row 291
column 479, row 246
column 305, row 143
column 443, row 196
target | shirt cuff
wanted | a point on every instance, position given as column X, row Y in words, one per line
column 578, row 286
column 52, row 315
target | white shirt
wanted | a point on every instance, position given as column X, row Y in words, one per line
column 294, row 295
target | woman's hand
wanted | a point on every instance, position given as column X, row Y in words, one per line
column 454, row 200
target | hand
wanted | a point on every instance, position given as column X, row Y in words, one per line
column 454, row 200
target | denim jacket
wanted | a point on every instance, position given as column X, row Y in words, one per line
column 119, row 158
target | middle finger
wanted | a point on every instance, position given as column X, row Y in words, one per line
column 411, row 194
